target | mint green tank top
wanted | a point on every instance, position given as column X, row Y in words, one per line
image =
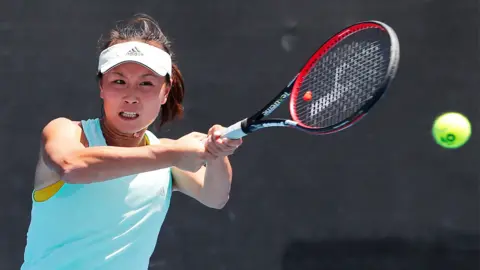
column 106, row 225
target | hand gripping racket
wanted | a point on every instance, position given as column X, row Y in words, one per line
column 337, row 86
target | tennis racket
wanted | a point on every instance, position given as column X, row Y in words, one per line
column 337, row 86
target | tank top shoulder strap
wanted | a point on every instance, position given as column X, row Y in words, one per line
column 151, row 138
column 93, row 132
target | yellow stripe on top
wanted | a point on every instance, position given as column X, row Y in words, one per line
column 147, row 141
column 46, row 193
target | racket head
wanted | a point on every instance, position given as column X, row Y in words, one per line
column 345, row 78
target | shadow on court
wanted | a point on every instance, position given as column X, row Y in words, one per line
column 454, row 253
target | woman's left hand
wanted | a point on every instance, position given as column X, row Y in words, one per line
column 220, row 147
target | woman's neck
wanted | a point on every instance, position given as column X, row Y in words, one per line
column 114, row 137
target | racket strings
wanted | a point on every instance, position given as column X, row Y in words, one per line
column 341, row 82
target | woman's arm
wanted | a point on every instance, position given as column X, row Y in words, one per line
column 210, row 185
column 64, row 153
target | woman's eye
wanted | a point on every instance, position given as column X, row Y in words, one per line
column 119, row 82
column 146, row 83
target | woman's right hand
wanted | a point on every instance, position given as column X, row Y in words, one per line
column 191, row 153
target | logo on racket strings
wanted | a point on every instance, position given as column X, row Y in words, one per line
column 277, row 103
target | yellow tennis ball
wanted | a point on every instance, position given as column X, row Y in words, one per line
column 451, row 130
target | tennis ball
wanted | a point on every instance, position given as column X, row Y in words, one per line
column 451, row 130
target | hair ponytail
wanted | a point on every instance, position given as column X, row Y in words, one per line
column 173, row 106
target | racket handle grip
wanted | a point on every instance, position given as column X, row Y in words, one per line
column 235, row 131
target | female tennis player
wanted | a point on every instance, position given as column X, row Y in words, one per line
column 103, row 185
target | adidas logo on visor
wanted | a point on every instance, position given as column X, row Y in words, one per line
column 134, row 52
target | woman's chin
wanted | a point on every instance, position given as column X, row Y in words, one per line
column 131, row 126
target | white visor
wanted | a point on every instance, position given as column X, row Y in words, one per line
column 149, row 56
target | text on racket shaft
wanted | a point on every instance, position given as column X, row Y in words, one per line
column 277, row 103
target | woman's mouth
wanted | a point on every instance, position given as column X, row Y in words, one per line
column 128, row 115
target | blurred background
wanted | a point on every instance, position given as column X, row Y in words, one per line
column 380, row 195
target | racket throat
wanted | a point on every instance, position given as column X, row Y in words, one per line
column 273, row 105
column 270, row 123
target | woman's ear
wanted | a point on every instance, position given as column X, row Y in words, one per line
column 166, row 92
column 99, row 81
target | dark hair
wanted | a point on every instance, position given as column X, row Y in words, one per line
column 144, row 28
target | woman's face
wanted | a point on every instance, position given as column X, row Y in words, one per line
column 132, row 96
